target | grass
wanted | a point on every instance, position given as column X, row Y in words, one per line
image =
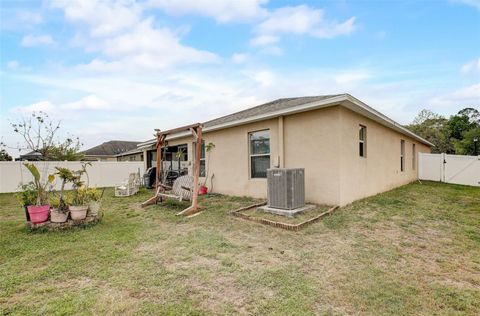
column 413, row 250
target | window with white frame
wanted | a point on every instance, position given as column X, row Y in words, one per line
column 259, row 150
column 362, row 141
column 402, row 155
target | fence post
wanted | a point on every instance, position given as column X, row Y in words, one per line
column 442, row 174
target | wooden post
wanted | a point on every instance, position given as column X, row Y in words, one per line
column 197, row 133
column 196, row 175
column 160, row 143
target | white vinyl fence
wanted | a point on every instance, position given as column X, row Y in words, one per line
column 100, row 173
column 450, row 168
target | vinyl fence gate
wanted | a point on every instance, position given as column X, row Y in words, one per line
column 456, row 169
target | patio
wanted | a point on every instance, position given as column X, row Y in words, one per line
column 413, row 250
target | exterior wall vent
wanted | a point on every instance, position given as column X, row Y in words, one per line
column 286, row 188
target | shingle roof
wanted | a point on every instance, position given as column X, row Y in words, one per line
column 292, row 105
column 111, row 148
column 277, row 105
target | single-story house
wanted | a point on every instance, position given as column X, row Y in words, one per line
column 108, row 151
column 348, row 149
column 135, row 154
column 30, row 156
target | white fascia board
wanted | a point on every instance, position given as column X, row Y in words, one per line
column 373, row 114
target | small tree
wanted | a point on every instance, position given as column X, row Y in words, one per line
column 434, row 128
column 467, row 146
column 208, row 149
column 40, row 135
column 4, row 156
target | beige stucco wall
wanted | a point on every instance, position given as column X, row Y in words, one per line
column 325, row 143
column 100, row 158
column 312, row 141
column 229, row 160
column 132, row 157
column 380, row 170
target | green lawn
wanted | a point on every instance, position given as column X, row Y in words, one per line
column 413, row 250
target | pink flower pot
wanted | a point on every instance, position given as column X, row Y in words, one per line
column 202, row 190
column 38, row 214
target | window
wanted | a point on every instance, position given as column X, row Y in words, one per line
column 414, row 156
column 259, row 143
column 202, row 157
column 402, row 155
column 362, row 141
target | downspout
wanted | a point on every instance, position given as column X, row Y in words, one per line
column 281, row 148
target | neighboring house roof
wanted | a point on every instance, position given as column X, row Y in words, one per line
column 33, row 155
column 289, row 106
column 111, row 148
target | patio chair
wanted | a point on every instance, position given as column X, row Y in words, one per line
column 136, row 183
column 181, row 190
column 126, row 188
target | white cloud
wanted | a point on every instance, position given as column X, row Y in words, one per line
column 43, row 106
column 271, row 50
column 239, row 58
column 472, row 3
column 262, row 40
column 220, row 10
column 36, row 40
column 466, row 96
column 102, row 17
column 264, row 77
column 124, row 40
column 300, row 20
column 148, row 47
column 30, row 17
column 471, row 67
column 381, row 35
column 91, row 102
column 351, row 77
column 65, row 110
column 13, row 64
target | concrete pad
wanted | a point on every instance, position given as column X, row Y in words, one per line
column 287, row 213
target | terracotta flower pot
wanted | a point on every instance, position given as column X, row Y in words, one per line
column 93, row 208
column 57, row 216
column 78, row 212
column 38, row 214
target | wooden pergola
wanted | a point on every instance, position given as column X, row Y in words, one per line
column 196, row 131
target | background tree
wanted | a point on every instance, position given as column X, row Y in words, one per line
column 4, row 156
column 433, row 127
column 452, row 136
column 40, row 135
column 466, row 146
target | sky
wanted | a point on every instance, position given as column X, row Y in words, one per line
column 118, row 69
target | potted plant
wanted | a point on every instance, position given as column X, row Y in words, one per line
column 203, row 187
column 94, row 196
column 78, row 203
column 59, row 209
column 27, row 196
column 40, row 210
